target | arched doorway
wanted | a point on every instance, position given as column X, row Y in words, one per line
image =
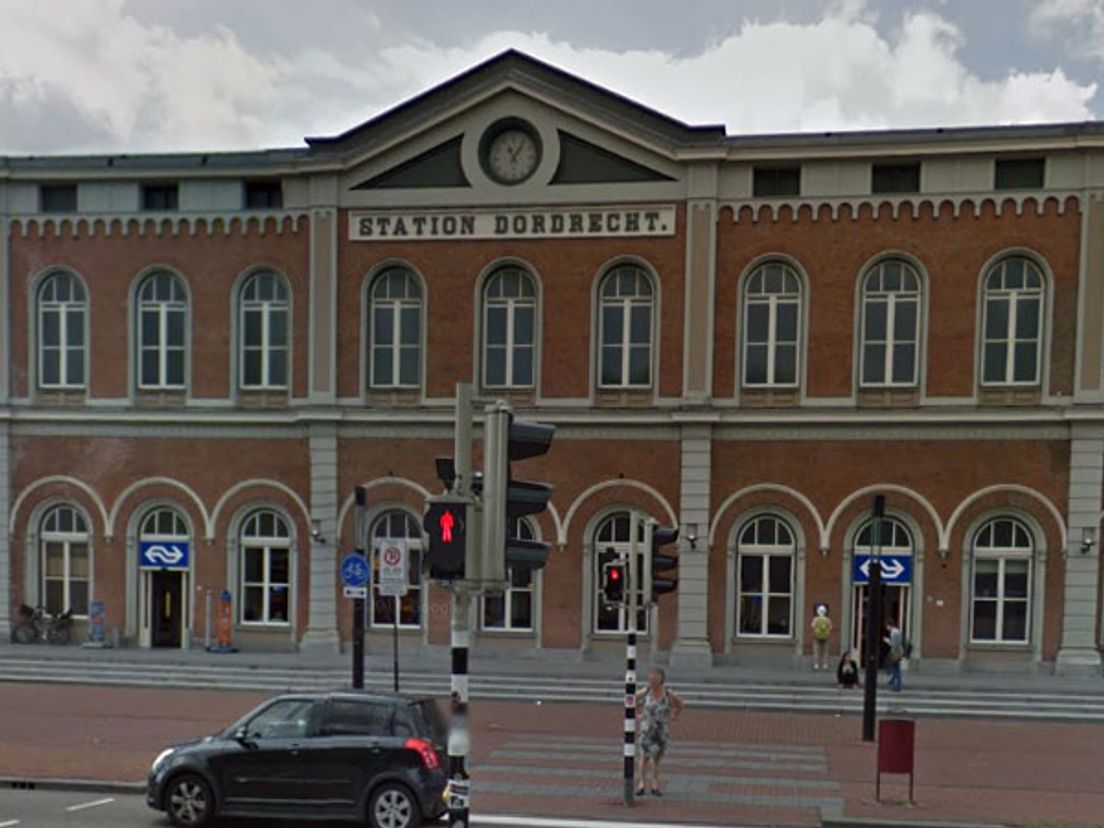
column 895, row 548
column 165, row 563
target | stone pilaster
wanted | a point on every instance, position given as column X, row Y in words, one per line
column 5, row 537
column 321, row 629
column 691, row 646
column 1078, row 654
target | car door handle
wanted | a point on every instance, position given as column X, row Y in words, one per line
column 377, row 750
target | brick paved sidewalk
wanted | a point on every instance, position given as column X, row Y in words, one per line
column 723, row 767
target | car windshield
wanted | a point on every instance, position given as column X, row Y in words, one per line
column 283, row 719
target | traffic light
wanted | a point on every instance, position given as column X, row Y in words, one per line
column 505, row 500
column 614, row 574
column 446, row 525
column 660, row 571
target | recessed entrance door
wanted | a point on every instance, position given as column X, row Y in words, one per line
column 166, row 608
column 894, row 607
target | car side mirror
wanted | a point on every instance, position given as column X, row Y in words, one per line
column 241, row 736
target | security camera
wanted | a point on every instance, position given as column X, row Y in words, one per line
column 693, row 539
column 1086, row 545
column 316, row 532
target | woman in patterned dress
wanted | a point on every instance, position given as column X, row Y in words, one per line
column 656, row 708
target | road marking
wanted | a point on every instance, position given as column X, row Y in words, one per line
column 548, row 822
column 81, row 807
column 9, row 823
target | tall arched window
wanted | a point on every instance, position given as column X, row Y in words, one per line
column 264, row 331
column 162, row 319
column 1000, row 598
column 509, row 329
column 513, row 609
column 265, row 569
column 764, row 578
column 62, row 315
column 397, row 525
column 394, row 330
column 626, row 309
column 612, row 536
column 1013, row 302
column 66, row 568
column 772, row 326
column 890, row 324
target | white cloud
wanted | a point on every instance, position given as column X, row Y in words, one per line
column 1079, row 21
column 118, row 83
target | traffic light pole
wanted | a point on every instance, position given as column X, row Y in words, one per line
column 629, row 747
column 359, row 604
column 873, row 623
column 459, row 742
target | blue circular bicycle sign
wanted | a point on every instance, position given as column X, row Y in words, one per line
column 354, row 570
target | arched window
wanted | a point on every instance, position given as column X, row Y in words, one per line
column 62, row 315
column 164, row 524
column 772, row 326
column 612, row 536
column 1013, row 305
column 1001, row 595
column 509, row 329
column 265, row 569
column 162, row 318
column 764, row 578
column 513, row 610
column 264, row 331
column 397, row 525
column 625, row 321
column 894, row 538
column 890, row 324
column 66, row 569
column 394, row 330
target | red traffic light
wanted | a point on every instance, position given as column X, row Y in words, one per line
column 614, row 574
column 445, row 524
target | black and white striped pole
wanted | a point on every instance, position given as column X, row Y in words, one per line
column 629, row 747
column 459, row 742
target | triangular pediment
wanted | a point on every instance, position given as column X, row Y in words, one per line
column 582, row 162
column 439, row 166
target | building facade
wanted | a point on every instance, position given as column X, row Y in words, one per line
column 744, row 337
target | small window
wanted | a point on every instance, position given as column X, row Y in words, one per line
column 776, row 181
column 1019, row 174
column 283, row 719
column 358, row 718
column 159, row 196
column 58, row 198
column 895, row 178
column 263, row 195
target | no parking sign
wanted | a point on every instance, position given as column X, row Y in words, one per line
column 392, row 567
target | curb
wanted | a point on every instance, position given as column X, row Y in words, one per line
column 879, row 822
column 89, row 785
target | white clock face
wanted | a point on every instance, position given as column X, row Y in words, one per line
column 512, row 156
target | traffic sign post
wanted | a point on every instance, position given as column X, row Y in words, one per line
column 392, row 582
column 356, row 573
column 873, row 573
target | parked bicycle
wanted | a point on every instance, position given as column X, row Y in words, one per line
column 36, row 625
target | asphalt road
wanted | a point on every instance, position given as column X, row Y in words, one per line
column 77, row 809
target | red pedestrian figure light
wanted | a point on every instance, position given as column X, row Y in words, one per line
column 446, row 522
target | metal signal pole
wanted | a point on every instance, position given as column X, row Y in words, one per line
column 629, row 747
column 873, row 621
column 359, row 604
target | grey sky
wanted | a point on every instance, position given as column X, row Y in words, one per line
column 138, row 75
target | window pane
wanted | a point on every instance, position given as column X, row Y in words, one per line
column 1002, row 533
column 496, row 325
column 151, row 372
column 51, row 328
column 151, row 327
column 639, row 373
column 409, row 326
column 494, row 611
column 611, row 366
column 277, row 367
column 55, row 560
column 1015, row 579
column 1027, row 318
column 254, row 565
column 996, row 357
column 381, row 366
column 640, row 327
column 873, row 363
column 496, row 366
column 278, row 566
column 408, row 366
column 778, row 616
column 251, row 367
column 786, row 322
column 904, row 321
column 985, row 578
column 277, row 328
column 78, row 597
column 521, row 610
column 751, row 573
column 357, row 718
column 751, row 614
column 74, row 328
column 523, row 366
column 175, row 324
column 51, row 366
column 875, row 325
column 612, row 325
column 278, row 603
column 757, row 322
column 985, row 620
column 904, row 362
column 1024, row 369
column 523, row 325
column 1015, row 621
column 410, row 612
column 78, row 560
column 55, row 597
column 252, row 603
column 785, row 364
column 74, row 366
column 996, row 319
column 755, row 372
column 779, row 574
column 174, row 365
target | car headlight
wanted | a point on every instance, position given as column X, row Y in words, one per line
column 161, row 757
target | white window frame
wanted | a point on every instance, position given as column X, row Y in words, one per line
column 266, row 308
column 998, row 274
column 413, row 537
column 766, row 552
column 1003, row 554
column 265, row 545
column 67, row 539
column 63, row 309
column 626, row 303
column 162, row 307
column 622, row 547
column 511, row 304
column 411, row 299
column 772, row 301
column 890, row 299
column 525, row 532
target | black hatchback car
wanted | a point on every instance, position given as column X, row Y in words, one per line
column 334, row 755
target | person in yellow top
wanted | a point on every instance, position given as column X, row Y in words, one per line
column 822, row 634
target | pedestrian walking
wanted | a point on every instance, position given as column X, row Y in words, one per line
column 847, row 671
column 822, row 634
column 656, row 708
column 896, row 655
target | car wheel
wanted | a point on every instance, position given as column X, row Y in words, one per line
column 189, row 802
column 393, row 806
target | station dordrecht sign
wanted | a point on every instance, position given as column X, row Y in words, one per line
column 528, row 223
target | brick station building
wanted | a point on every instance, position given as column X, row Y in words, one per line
column 744, row 336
